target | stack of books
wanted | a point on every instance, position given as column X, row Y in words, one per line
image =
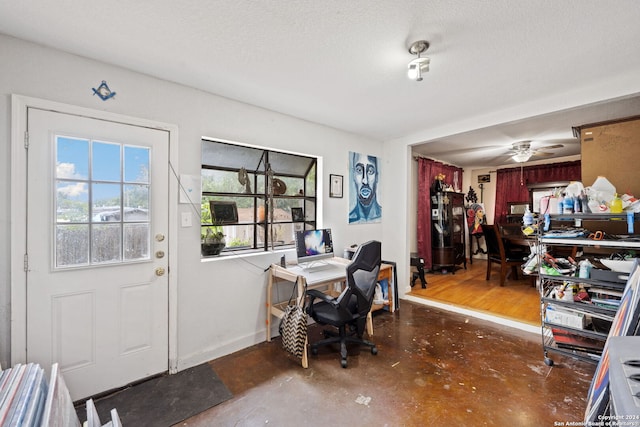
column 23, row 393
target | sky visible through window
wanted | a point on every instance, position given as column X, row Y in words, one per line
column 74, row 163
column 102, row 202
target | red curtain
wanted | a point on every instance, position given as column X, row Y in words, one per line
column 427, row 171
column 511, row 184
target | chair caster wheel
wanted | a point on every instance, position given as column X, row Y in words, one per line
column 374, row 350
column 548, row 361
column 314, row 351
column 343, row 363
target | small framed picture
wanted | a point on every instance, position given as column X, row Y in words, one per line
column 223, row 212
column 297, row 215
column 335, row 186
column 484, row 178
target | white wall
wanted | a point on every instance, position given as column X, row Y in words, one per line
column 221, row 303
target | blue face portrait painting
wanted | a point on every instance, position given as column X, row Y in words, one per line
column 363, row 198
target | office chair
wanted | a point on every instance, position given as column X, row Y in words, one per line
column 351, row 307
column 497, row 254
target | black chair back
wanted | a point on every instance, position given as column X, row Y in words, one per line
column 362, row 277
column 491, row 239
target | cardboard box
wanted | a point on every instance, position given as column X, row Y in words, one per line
column 554, row 314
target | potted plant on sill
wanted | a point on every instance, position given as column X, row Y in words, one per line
column 212, row 240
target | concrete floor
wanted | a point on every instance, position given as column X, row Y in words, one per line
column 433, row 368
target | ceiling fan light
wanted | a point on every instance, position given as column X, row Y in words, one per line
column 420, row 64
column 413, row 71
column 417, row 67
column 521, row 157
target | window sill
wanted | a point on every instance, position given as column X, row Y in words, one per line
column 247, row 253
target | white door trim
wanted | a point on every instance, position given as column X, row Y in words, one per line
column 18, row 277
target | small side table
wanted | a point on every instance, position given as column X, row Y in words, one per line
column 418, row 263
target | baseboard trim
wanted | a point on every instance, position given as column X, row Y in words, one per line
column 477, row 314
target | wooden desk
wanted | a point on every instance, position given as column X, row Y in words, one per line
column 336, row 273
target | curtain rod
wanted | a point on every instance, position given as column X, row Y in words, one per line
column 420, row 156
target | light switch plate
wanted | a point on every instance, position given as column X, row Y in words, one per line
column 186, row 219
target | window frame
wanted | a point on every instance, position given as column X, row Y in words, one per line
column 118, row 219
column 306, row 197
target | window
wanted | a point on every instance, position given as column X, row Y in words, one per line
column 264, row 185
column 102, row 202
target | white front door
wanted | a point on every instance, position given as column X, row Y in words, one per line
column 97, row 250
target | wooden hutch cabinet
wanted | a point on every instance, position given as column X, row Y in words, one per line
column 448, row 223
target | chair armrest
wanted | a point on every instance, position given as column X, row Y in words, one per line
column 314, row 293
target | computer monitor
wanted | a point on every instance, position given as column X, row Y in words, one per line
column 314, row 245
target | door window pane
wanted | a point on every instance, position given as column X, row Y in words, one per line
column 136, row 241
column 72, row 201
column 136, row 164
column 136, row 202
column 106, row 202
column 106, row 243
column 72, row 158
column 106, row 162
column 72, row 245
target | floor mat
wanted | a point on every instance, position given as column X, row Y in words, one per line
column 164, row 401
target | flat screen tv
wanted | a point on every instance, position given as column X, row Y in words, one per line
column 313, row 245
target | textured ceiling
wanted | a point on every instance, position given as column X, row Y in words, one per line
column 343, row 63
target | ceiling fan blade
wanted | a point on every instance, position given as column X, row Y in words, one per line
column 504, row 157
column 541, row 153
column 551, row 147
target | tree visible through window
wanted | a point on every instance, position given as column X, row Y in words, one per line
column 102, row 202
column 264, row 185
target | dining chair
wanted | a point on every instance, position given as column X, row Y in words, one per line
column 498, row 254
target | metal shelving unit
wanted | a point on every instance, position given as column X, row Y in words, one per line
column 582, row 343
column 586, row 342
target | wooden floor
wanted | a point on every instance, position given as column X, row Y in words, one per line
column 517, row 300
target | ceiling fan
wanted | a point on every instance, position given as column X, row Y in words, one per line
column 521, row 151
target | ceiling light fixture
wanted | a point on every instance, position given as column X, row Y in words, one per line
column 522, row 151
column 420, row 64
column 522, row 157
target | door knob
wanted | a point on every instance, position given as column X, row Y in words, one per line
column 160, row 271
